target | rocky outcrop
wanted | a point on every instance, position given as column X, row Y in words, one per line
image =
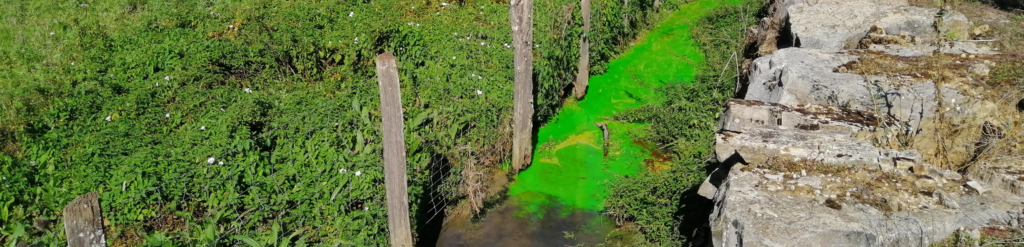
column 854, row 127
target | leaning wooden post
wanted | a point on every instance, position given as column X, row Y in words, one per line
column 521, row 16
column 583, row 71
column 83, row 223
column 394, row 151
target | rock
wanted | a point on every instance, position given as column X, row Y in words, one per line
column 741, row 115
column 773, row 177
column 977, row 186
column 746, row 215
column 958, row 47
column 953, row 25
column 765, row 143
column 980, row 31
column 979, row 69
column 813, row 182
column 913, row 50
column 1003, row 174
column 796, row 76
column 832, row 26
column 945, row 200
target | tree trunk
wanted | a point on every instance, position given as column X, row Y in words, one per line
column 521, row 16
column 583, row 71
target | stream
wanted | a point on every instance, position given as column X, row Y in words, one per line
column 557, row 201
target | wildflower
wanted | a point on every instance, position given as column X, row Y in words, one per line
column 342, row 170
column 330, row 42
column 417, row 24
column 366, row 208
column 357, row 40
column 478, row 92
column 444, row 4
column 221, row 109
column 108, row 119
column 32, row 162
column 123, row 185
column 202, row 128
column 453, row 58
column 72, row 63
column 482, row 43
column 167, row 115
column 247, row 90
column 51, row 33
column 211, row 160
column 359, row 173
column 479, row 77
column 220, row 162
column 157, row 84
column 413, row 7
column 167, row 78
column 350, row 14
column 472, row 75
column 231, row 26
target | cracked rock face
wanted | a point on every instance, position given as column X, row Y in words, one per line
column 834, row 147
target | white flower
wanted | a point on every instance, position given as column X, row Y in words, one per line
column 108, row 119
column 221, row 109
column 479, row 77
column 211, row 160
column 330, row 42
column 453, row 58
column 359, row 173
column 51, row 33
column 482, row 43
column 202, row 128
column 167, row 78
column 366, row 208
column 231, row 26
column 413, row 7
column 472, row 75
column 167, row 115
column 157, row 84
column 444, row 4
column 350, row 14
column 72, row 63
column 123, row 185
column 220, row 162
column 342, row 170
column 247, row 90
column 417, row 24
column 478, row 92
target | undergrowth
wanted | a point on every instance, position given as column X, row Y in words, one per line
column 256, row 121
column 659, row 202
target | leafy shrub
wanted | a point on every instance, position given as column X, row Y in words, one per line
column 684, row 124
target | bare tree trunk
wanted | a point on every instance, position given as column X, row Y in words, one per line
column 521, row 16
column 83, row 222
column 583, row 71
column 625, row 14
column 396, row 189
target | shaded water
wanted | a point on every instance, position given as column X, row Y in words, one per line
column 557, row 201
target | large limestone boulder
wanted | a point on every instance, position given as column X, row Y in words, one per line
column 835, row 25
column 758, row 208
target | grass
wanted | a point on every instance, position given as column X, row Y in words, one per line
column 131, row 98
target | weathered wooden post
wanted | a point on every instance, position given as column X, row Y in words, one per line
column 521, row 16
column 83, row 223
column 583, row 71
column 394, row 151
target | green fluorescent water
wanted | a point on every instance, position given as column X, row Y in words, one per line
column 569, row 168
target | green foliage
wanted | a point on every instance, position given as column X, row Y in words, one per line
column 684, row 126
column 174, row 78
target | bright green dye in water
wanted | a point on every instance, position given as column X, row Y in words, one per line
column 569, row 168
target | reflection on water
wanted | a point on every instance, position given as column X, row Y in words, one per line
column 510, row 225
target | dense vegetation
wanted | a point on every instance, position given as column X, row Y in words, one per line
column 255, row 121
column 662, row 204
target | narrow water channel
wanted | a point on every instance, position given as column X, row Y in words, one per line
column 557, row 201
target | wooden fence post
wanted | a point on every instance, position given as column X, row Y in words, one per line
column 583, row 71
column 394, row 151
column 83, row 223
column 521, row 16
